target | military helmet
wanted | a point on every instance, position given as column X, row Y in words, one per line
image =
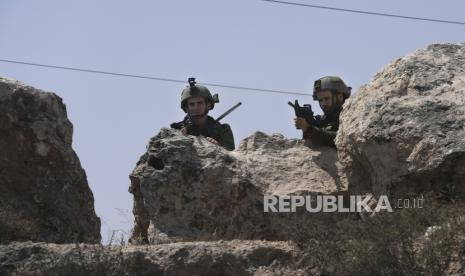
column 194, row 90
column 332, row 83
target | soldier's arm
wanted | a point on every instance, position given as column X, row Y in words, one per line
column 321, row 136
column 227, row 138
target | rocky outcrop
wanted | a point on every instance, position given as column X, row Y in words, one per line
column 199, row 258
column 404, row 132
column 186, row 188
column 44, row 195
column 401, row 134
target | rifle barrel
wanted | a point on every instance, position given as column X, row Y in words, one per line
column 228, row 111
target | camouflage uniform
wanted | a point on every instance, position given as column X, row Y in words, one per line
column 325, row 131
column 222, row 133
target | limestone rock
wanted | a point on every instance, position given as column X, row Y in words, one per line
column 44, row 195
column 186, row 188
column 404, row 132
column 198, row 258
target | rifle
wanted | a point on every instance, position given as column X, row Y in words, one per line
column 190, row 127
column 304, row 111
column 188, row 124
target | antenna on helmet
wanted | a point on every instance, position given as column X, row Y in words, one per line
column 191, row 82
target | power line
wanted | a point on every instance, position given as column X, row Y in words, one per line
column 366, row 12
column 153, row 78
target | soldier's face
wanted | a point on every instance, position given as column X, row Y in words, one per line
column 197, row 106
column 328, row 102
column 325, row 99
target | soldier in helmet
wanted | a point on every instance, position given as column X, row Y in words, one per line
column 331, row 93
column 197, row 101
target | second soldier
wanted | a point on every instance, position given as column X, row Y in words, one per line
column 197, row 101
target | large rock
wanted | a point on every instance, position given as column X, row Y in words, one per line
column 197, row 258
column 44, row 194
column 186, row 188
column 403, row 133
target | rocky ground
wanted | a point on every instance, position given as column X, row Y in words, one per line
column 237, row 257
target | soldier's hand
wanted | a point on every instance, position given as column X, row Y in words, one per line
column 211, row 140
column 184, row 130
column 301, row 123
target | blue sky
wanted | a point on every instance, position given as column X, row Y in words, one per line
column 245, row 42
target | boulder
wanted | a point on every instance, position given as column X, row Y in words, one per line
column 403, row 133
column 186, row 188
column 44, row 195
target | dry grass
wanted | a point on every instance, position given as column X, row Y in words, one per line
column 388, row 243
